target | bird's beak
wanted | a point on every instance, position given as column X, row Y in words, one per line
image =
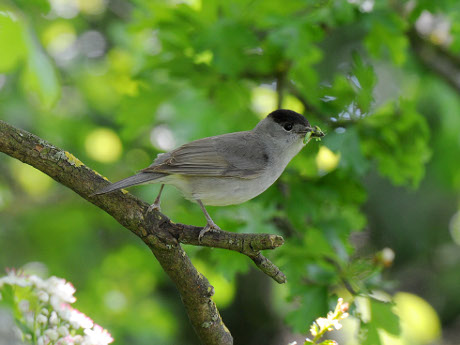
column 315, row 132
column 312, row 132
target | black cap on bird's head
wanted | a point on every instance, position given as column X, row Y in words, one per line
column 284, row 116
column 292, row 121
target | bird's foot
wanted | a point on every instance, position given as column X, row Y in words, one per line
column 209, row 227
column 154, row 207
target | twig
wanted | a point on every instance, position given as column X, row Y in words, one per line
column 155, row 229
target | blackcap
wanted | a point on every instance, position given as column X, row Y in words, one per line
column 230, row 168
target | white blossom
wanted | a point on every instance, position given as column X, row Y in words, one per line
column 37, row 282
column 78, row 339
column 42, row 319
column 43, row 340
column 78, row 319
column 57, row 320
column 60, row 290
column 52, row 334
column 14, row 279
column 43, row 296
column 98, row 336
column 63, row 331
column 54, row 320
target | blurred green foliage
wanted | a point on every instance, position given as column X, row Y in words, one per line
column 115, row 82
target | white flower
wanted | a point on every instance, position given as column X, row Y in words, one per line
column 61, row 290
column 63, row 331
column 43, row 296
column 52, row 334
column 42, row 319
column 13, row 278
column 54, row 320
column 70, row 340
column 78, row 319
column 37, row 281
column 43, row 340
column 59, row 294
column 336, row 324
column 64, row 311
column 78, row 339
column 98, row 336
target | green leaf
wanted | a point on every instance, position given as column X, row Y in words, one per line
column 229, row 263
column 37, row 6
column 7, row 292
column 367, row 79
column 231, row 43
column 17, row 44
column 369, row 334
column 12, row 47
column 397, row 137
column 360, row 272
column 313, row 302
column 347, row 144
column 387, row 37
column 39, row 76
column 383, row 317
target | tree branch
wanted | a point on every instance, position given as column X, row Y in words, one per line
column 247, row 244
column 155, row 229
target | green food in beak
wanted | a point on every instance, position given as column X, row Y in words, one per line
column 316, row 133
column 307, row 138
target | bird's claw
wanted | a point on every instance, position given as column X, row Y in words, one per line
column 208, row 227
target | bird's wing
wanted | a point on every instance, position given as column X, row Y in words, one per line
column 230, row 155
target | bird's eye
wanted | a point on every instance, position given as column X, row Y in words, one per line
column 288, row 126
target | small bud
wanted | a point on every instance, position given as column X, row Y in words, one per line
column 54, row 320
column 344, row 308
column 388, row 256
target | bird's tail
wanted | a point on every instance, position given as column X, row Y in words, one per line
column 137, row 179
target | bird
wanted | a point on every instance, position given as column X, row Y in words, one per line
column 230, row 168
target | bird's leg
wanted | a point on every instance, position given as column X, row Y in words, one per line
column 210, row 223
column 156, row 204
